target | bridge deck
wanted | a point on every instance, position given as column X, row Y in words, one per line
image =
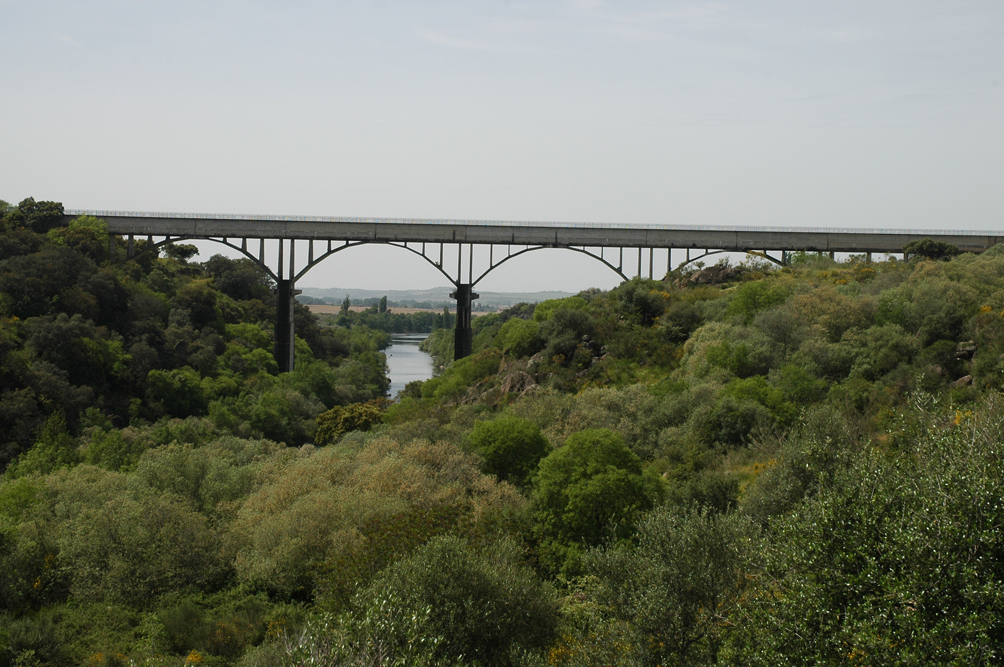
column 385, row 230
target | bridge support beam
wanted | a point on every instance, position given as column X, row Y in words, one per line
column 463, row 337
column 284, row 328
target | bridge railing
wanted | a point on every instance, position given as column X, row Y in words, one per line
column 525, row 223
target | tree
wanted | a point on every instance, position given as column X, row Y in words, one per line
column 38, row 217
column 346, row 304
column 896, row 559
column 383, row 304
column 520, row 337
column 179, row 392
column 588, row 491
column 181, row 252
column 931, row 249
column 240, row 279
column 86, row 233
column 511, row 447
column 54, row 449
column 337, row 421
column 486, row 606
column 198, row 298
column 677, row 587
column 754, row 296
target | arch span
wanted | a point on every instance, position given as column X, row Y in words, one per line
column 243, row 250
column 616, row 269
column 287, row 276
column 761, row 255
column 314, row 262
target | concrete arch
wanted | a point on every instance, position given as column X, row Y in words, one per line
column 348, row 244
column 243, row 251
column 502, row 261
column 761, row 255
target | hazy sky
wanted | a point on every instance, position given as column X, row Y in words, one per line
column 875, row 113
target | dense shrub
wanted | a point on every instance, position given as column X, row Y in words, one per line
column 486, row 606
column 510, row 447
column 589, row 490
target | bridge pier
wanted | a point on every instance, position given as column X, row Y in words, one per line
column 463, row 336
column 284, row 326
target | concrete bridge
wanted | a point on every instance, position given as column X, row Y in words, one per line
column 449, row 246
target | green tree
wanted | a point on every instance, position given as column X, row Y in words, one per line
column 383, row 304
column 931, row 249
column 181, row 252
column 38, row 217
column 54, row 449
column 86, row 233
column 588, row 491
column 179, row 392
column 520, row 338
column 511, row 447
column 337, row 421
column 486, row 606
column 757, row 295
column 678, row 587
column 896, row 559
column 240, row 279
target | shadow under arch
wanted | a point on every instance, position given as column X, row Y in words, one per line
column 761, row 255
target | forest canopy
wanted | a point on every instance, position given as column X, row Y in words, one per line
column 734, row 465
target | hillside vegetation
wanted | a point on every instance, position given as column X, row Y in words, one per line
column 752, row 466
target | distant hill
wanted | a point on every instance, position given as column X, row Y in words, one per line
column 437, row 296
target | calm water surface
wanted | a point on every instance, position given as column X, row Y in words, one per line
column 407, row 363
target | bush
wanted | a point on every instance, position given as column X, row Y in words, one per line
column 731, row 420
column 520, row 338
column 588, row 491
column 337, row 421
column 897, row 558
column 127, row 543
column 678, row 586
column 752, row 297
column 510, row 447
column 487, row 607
column 931, row 249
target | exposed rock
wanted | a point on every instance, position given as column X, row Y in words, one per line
column 966, row 349
column 963, row 381
column 715, row 275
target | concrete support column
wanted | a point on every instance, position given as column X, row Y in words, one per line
column 463, row 334
column 284, row 329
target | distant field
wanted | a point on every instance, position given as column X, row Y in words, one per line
column 323, row 310
column 315, row 308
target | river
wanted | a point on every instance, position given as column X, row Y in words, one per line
column 406, row 362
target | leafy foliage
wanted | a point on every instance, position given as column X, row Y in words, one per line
column 791, row 466
column 510, row 447
column 337, row 421
column 587, row 491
